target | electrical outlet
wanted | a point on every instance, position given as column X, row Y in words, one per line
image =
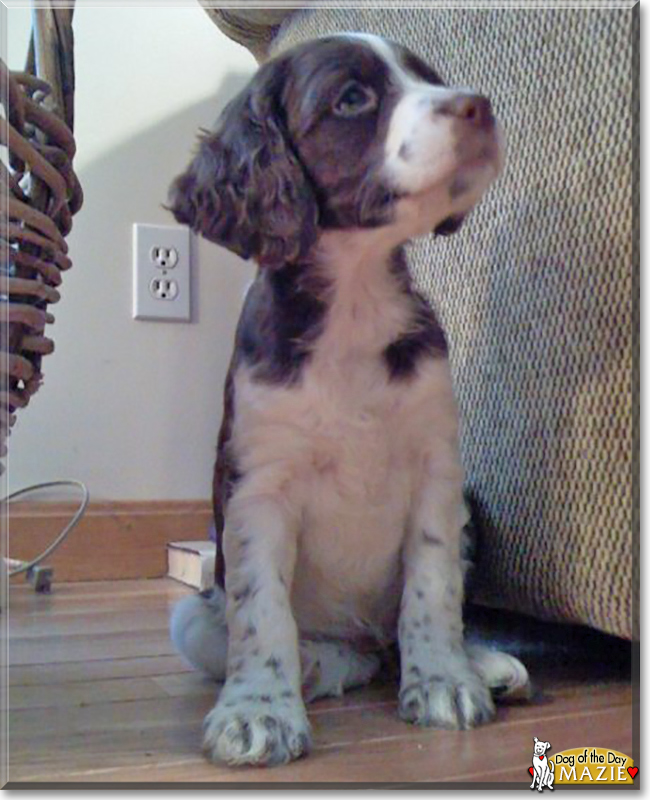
column 164, row 257
column 161, row 272
column 164, row 289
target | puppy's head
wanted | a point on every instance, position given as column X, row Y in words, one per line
column 540, row 747
column 343, row 132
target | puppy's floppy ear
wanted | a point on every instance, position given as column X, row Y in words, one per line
column 246, row 189
column 449, row 226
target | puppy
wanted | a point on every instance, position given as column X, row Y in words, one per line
column 337, row 486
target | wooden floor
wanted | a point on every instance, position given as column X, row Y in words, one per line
column 97, row 695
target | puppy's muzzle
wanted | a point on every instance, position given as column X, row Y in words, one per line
column 472, row 108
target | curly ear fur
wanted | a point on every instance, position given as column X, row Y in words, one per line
column 246, row 189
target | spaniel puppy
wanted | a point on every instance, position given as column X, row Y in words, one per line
column 337, row 486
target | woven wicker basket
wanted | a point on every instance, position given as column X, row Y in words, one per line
column 40, row 193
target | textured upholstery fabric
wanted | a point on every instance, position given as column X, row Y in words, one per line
column 538, row 295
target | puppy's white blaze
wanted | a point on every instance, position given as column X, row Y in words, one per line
column 383, row 49
column 420, row 146
column 428, row 139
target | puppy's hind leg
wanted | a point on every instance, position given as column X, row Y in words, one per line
column 502, row 673
column 199, row 632
column 331, row 667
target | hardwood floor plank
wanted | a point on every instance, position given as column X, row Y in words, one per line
column 88, row 693
column 94, row 623
column 80, row 671
column 57, row 650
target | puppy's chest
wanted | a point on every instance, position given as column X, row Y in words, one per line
column 346, row 440
column 345, row 447
column 345, row 434
column 357, row 440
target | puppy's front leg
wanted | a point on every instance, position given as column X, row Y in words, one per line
column 438, row 685
column 260, row 717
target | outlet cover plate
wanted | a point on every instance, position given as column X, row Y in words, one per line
column 147, row 241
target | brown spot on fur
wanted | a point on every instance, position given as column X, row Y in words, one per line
column 404, row 152
column 250, row 631
column 242, row 596
column 275, row 664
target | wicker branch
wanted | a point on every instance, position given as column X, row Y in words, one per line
column 40, row 193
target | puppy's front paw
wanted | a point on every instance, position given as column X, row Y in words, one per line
column 457, row 701
column 257, row 729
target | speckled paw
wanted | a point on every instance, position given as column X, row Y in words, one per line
column 263, row 733
column 454, row 702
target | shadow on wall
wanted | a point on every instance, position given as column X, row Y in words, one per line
column 130, row 183
column 146, row 395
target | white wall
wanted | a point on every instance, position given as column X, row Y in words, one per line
column 133, row 408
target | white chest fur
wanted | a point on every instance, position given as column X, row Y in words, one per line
column 346, row 449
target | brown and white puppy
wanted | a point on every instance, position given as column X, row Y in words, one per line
column 337, row 487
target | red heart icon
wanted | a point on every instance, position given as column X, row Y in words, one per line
column 531, row 770
column 633, row 771
column 541, row 758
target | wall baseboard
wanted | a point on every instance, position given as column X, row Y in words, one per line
column 114, row 540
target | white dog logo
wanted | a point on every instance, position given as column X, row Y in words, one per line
column 543, row 769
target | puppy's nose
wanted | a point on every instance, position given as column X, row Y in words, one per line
column 471, row 107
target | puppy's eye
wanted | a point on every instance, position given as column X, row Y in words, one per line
column 354, row 99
